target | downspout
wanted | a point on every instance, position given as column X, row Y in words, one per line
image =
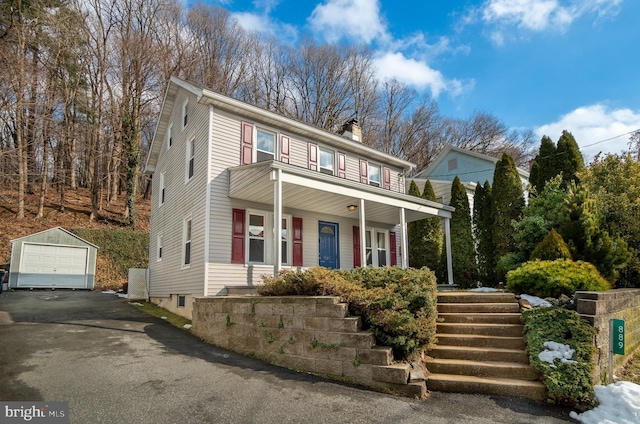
column 207, row 212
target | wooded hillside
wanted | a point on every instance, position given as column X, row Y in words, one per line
column 82, row 81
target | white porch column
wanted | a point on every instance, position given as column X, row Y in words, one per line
column 404, row 245
column 277, row 221
column 447, row 234
column 363, row 235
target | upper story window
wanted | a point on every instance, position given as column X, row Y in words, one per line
column 185, row 113
column 452, row 164
column 187, row 241
column 327, row 161
column 265, row 146
column 170, row 136
column 162, row 188
column 190, row 157
column 374, row 175
column 159, row 248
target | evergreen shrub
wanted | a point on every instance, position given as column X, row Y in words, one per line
column 552, row 247
column 397, row 305
column 553, row 278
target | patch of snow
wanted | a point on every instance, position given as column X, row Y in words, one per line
column 484, row 290
column 618, row 403
column 555, row 350
column 109, row 292
column 123, row 295
column 187, row 326
column 535, row 301
column 163, row 317
column 135, row 303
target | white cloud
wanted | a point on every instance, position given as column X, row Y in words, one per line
column 263, row 23
column 537, row 15
column 357, row 20
column 416, row 73
column 595, row 123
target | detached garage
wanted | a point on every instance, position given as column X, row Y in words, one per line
column 53, row 258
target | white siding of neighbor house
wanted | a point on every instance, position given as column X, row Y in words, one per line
column 181, row 199
column 469, row 168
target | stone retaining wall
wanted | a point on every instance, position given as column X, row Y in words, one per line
column 311, row 334
column 597, row 308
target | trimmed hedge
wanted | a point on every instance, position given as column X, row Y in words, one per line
column 397, row 305
column 553, row 278
column 566, row 383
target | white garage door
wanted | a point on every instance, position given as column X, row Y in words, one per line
column 45, row 265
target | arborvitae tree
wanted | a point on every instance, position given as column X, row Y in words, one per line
column 552, row 247
column 587, row 239
column 483, row 231
column 432, row 233
column 415, row 234
column 544, row 166
column 462, row 245
column 507, row 205
column 569, row 158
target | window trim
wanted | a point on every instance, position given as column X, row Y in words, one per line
column 187, row 223
column 181, row 301
column 159, row 247
column 374, row 248
column 371, row 181
column 170, row 136
column 190, row 158
column 185, row 113
column 333, row 161
column 256, row 150
column 268, row 237
column 163, row 188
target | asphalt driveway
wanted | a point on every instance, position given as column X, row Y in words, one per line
column 115, row 364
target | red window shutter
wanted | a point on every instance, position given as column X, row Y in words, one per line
column 237, row 243
column 392, row 249
column 297, row 241
column 387, row 178
column 356, row 246
column 364, row 171
column 313, row 157
column 342, row 165
column 285, row 145
column 246, row 152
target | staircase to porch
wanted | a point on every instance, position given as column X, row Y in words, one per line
column 480, row 347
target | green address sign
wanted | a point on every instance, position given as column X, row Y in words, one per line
column 617, row 337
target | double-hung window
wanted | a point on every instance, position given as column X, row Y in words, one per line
column 327, row 161
column 190, row 157
column 257, row 237
column 187, row 241
column 185, row 113
column 169, row 136
column 159, row 247
column 265, row 146
column 374, row 175
column 162, row 189
column 376, row 247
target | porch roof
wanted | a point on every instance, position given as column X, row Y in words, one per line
column 314, row 191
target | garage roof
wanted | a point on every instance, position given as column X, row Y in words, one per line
column 54, row 229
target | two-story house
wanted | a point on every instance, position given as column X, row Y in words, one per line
column 239, row 192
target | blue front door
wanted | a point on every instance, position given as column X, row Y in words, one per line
column 328, row 251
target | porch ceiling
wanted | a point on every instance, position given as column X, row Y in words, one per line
column 313, row 191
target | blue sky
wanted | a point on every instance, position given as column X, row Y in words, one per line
column 546, row 65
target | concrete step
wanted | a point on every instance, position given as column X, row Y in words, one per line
column 475, row 297
column 478, row 307
column 505, row 330
column 479, row 354
column 494, row 386
column 472, row 340
column 481, row 318
column 494, row 369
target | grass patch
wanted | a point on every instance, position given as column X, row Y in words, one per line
column 158, row 312
column 631, row 371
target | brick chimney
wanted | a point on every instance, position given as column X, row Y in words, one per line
column 351, row 130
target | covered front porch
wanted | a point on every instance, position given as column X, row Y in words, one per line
column 283, row 185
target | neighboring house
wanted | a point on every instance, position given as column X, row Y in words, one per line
column 240, row 192
column 470, row 167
